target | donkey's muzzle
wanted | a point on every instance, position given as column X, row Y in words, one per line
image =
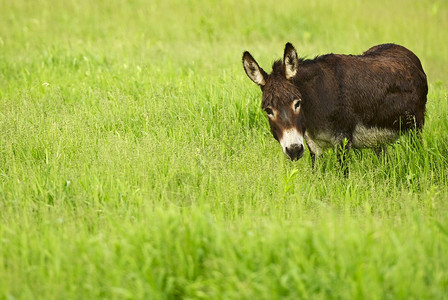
column 294, row 151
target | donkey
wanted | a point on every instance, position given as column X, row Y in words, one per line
column 341, row 101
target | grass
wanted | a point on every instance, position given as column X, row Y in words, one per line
column 135, row 161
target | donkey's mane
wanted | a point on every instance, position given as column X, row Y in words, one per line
column 277, row 66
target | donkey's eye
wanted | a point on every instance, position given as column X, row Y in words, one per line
column 296, row 104
column 269, row 111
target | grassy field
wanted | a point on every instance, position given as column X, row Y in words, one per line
column 135, row 161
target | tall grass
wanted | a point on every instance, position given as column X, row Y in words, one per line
column 135, row 161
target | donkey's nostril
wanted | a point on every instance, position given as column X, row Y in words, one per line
column 295, row 151
column 291, row 149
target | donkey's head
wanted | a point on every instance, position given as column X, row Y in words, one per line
column 281, row 100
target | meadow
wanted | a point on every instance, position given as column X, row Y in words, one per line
column 136, row 162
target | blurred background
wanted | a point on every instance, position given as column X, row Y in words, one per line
column 211, row 35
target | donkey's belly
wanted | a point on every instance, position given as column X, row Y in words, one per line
column 362, row 137
column 371, row 137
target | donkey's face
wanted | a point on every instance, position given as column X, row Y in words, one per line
column 281, row 100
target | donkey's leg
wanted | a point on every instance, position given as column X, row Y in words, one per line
column 315, row 150
column 342, row 154
column 380, row 151
column 313, row 159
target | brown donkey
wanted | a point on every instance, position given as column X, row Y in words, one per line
column 360, row 101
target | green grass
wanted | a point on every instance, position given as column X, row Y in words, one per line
column 135, row 161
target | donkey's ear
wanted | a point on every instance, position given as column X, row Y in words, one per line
column 290, row 61
column 253, row 70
